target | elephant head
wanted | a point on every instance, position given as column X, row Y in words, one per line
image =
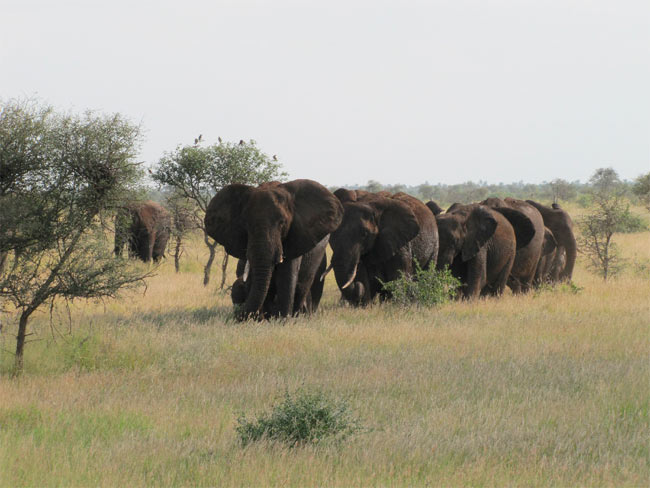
column 372, row 231
column 434, row 207
column 269, row 224
column 560, row 224
column 463, row 233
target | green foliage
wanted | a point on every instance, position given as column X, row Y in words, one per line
column 198, row 172
column 570, row 288
column 641, row 189
column 631, row 223
column 62, row 176
column 426, row 288
column 302, row 417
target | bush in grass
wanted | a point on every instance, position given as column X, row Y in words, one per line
column 300, row 418
column 426, row 287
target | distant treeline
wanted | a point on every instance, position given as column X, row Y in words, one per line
column 554, row 191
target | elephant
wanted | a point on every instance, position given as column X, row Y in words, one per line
column 145, row 226
column 560, row 224
column 478, row 244
column 272, row 226
column 309, row 285
column 345, row 195
column 380, row 236
column 527, row 257
column 546, row 272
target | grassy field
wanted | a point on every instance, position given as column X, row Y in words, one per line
column 552, row 388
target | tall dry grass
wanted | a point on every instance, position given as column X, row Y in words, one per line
column 552, row 388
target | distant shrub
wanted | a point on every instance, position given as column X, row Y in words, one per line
column 302, row 417
column 426, row 288
column 569, row 287
column 631, row 223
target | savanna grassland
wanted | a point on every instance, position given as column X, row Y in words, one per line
column 552, row 388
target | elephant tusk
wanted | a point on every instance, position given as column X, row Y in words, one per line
column 351, row 280
column 247, row 270
column 329, row 268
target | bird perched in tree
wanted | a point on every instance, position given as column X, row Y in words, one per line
column 200, row 137
column 196, row 141
column 241, row 142
column 275, row 158
column 219, row 139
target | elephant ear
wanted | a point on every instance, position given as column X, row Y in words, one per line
column 434, row 207
column 522, row 225
column 223, row 220
column 480, row 227
column 549, row 242
column 316, row 213
column 397, row 226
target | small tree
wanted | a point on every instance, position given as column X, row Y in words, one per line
column 562, row 190
column 184, row 219
column 609, row 211
column 197, row 173
column 641, row 189
column 61, row 175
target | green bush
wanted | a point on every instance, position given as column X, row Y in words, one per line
column 304, row 417
column 426, row 288
column 631, row 223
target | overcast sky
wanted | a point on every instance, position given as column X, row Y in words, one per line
column 344, row 92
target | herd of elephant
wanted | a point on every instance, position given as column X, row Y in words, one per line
column 280, row 232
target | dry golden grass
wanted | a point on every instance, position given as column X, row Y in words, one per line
column 552, row 388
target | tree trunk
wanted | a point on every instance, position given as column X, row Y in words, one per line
column 20, row 341
column 208, row 266
column 177, row 254
column 224, row 268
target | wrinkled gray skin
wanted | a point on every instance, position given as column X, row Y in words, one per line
column 145, row 228
column 381, row 235
column 272, row 226
column 478, row 244
column 309, row 285
column 527, row 257
column 560, row 224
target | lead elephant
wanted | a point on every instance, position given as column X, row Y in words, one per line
column 560, row 224
column 380, row 237
column 527, row 257
column 478, row 244
column 145, row 228
column 272, row 226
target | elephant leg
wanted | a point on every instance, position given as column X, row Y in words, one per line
column 476, row 276
column 308, row 275
column 498, row 286
column 286, row 278
column 316, row 290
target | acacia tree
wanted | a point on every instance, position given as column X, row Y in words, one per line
column 608, row 212
column 60, row 175
column 198, row 172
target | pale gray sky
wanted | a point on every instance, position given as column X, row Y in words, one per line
column 344, row 92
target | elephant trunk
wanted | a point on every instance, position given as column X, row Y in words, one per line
column 571, row 253
column 262, row 258
column 345, row 263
